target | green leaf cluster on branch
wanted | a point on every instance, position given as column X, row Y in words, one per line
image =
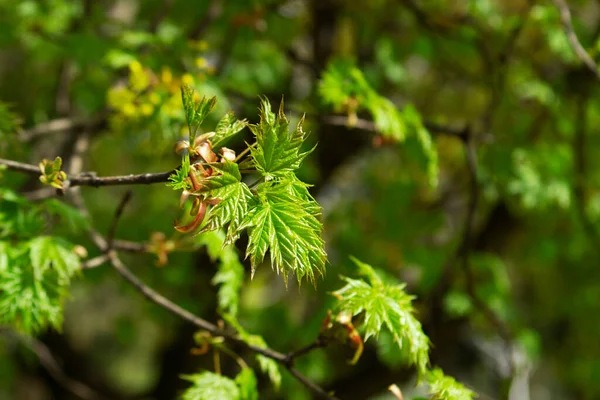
column 278, row 213
column 35, row 269
column 344, row 88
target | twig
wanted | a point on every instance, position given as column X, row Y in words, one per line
column 464, row 252
column 113, row 228
column 59, row 125
column 53, row 367
column 366, row 125
column 95, row 262
column 173, row 308
column 293, row 355
column 91, row 180
column 578, row 49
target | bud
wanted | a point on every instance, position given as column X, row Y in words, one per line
column 181, row 146
column 227, row 154
column 205, row 151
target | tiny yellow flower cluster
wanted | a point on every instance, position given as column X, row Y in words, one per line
column 148, row 92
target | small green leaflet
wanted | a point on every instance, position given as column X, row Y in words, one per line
column 52, row 252
column 446, row 388
column 235, row 199
column 267, row 365
column 246, row 380
column 386, row 305
column 227, row 127
column 278, row 150
column 34, row 277
column 210, row 386
column 282, row 224
column 230, row 273
column 195, row 111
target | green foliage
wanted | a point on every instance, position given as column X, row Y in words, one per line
column 246, row 381
column 227, row 127
column 277, row 152
column 267, row 365
column 195, row 111
column 385, row 305
column 283, row 225
column 280, row 215
column 234, row 199
column 344, row 87
column 444, row 387
column 209, row 386
column 51, row 173
column 34, row 278
column 230, row 274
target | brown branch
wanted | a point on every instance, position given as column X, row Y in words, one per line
column 113, row 228
column 578, row 49
column 464, row 252
column 366, row 125
column 293, row 355
column 60, row 125
column 90, row 179
column 174, row 309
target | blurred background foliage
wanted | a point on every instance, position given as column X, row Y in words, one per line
column 397, row 94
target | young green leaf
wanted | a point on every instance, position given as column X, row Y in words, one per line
column 385, row 305
column 30, row 296
column 267, row 365
column 278, row 150
column 52, row 252
column 234, row 199
column 195, row 111
column 282, row 224
column 227, row 127
column 210, row 386
column 246, row 381
column 444, row 387
column 230, row 273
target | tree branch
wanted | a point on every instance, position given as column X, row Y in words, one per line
column 578, row 49
column 113, row 228
column 366, row 125
column 174, row 309
column 90, row 179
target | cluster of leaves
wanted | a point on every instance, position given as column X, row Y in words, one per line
column 208, row 386
column 35, row 269
column 376, row 302
column 345, row 88
column 51, row 173
column 279, row 214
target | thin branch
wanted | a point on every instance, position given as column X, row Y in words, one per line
column 60, row 125
column 95, row 262
column 464, row 252
column 21, row 167
column 140, row 179
column 293, row 355
column 174, row 309
column 366, row 125
column 578, row 49
column 314, row 388
column 53, row 367
column 92, row 180
column 113, row 228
